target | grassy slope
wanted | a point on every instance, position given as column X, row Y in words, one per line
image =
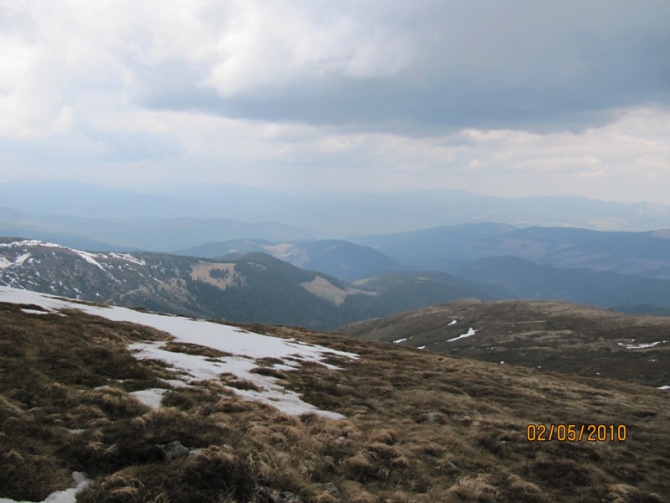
column 420, row 427
column 556, row 336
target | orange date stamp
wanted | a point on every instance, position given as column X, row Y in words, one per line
column 576, row 432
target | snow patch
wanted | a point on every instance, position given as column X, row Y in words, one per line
column 151, row 397
column 641, row 346
column 398, row 341
column 452, row 322
column 470, row 332
column 128, row 258
column 88, row 257
column 66, row 496
column 21, row 258
column 245, row 347
column 34, row 311
column 4, row 263
column 664, row 387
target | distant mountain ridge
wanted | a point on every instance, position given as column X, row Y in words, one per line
column 139, row 233
column 342, row 259
column 254, row 288
column 523, row 279
column 642, row 253
column 328, row 215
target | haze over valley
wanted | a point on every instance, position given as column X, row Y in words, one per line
column 334, row 252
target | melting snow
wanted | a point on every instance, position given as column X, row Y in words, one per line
column 245, row 347
column 664, row 387
column 471, row 331
column 151, row 397
column 128, row 258
column 452, row 322
column 22, row 258
column 29, row 242
column 398, row 341
column 66, row 496
column 34, row 311
column 88, row 257
column 641, row 346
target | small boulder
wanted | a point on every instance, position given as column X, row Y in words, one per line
column 435, row 417
column 174, row 450
column 275, row 496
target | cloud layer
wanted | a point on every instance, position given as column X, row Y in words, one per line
column 512, row 97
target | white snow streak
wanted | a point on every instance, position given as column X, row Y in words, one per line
column 34, row 311
column 128, row 258
column 22, row 258
column 641, row 345
column 150, row 397
column 452, row 322
column 398, row 341
column 471, row 332
column 88, row 257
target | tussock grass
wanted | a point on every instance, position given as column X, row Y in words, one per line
column 194, row 349
column 420, row 427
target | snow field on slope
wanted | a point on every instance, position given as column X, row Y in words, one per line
column 245, row 347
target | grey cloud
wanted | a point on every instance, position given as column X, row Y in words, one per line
column 485, row 63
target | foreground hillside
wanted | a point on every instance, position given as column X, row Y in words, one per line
column 139, row 412
column 545, row 335
column 254, row 288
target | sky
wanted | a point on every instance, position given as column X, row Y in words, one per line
column 499, row 97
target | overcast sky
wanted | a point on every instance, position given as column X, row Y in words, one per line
column 504, row 97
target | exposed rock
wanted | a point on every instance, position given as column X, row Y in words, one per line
column 173, row 450
column 435, row 417
column 331, row 488
column 275, row 496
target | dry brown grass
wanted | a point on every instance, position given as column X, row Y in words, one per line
column 420, row 427
column 194, row 349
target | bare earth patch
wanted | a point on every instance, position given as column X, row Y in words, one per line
column 324, row 289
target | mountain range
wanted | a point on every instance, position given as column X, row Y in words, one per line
column 641, row 253
column 342, row 259
column 253, row 288
column 313, row 215
column 216, row 384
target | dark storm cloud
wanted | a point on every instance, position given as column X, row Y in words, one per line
column 483, row 63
